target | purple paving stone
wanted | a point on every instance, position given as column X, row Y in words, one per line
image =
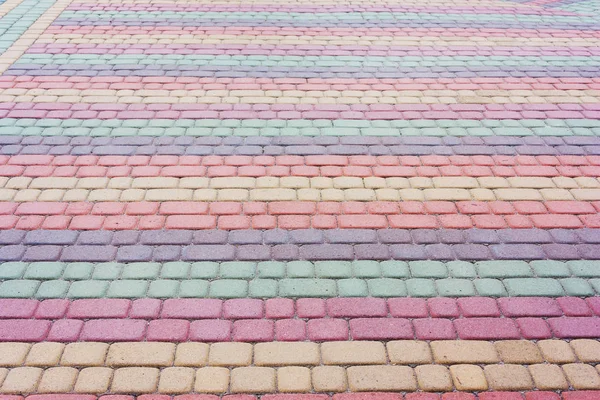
column 564, row 236
column 50, row 237
column 589, row 235
column 245, row 237
column 326, row 252
column 12, row 237
column 89, row 253
column 134, row 253
column 451, row 236
column 471, row 252
column 424, row 236
column 517, row 252
column 12, row 252
column 483, row 236
column 351, row 236
column 210, row 237
column 372, row 251
column 408, row 252
column 209, row 253
column 253, row 252
column 557, row 251
column 276, row 236
column 306, row 236
column 524, row 236
column 589, row 251
column 166, row 253
column 394, row 236
column 439, row 251
column 95, row 237
column 285, row 252
column 42, row 253
column 166, row 237
column 125, row 237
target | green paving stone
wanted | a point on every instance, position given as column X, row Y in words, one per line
column 12, row 270
column 78, row 271
column 394, row 269
column 455, row 287
column 237, row 270
column 307, row 288
column 194, row 288
column 271, row 269
column 366, row 269
column 52, row 290
column 386, row 287
column 44, row 270
column 163, row 288
column 204, row 270
column 175, row 270
column 107, row 271
column 461, row 269
column 228, row 288
column 141, row 271
column 585, row 268
column 550, row 269
column 87, row 289
column 428, row 269
column 577, row 287
column 533, row 287
column 127, row 289
column 352, row 288
column 300, row 269
column 490, row 287
column 18, row 288
column 333, row 269
column 503, row 269
column 420, row 288
column 262, row 288
column 595, row 284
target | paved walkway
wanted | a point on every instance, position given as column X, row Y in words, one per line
column 299, row 200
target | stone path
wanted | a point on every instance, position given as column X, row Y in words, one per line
column 301, row 200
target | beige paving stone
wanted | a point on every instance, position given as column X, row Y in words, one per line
column 518, row 352
column 135, row 380
column 212, row 380
column 293, row 380
column 191, row 354
column 464, row 352
column 357, row 352
column 381, row 378
column 548, row 377
column 176, row 380
column 44, row 354
column 582, row 376
column 286, row 353
column 556, row 351
column 230, row 354
column 433, row 378
column 58, row 380
column 93, row 380
column 143, row 354
column 21, row 380
column 329, row 379
column 3, row 373
column 13, row 354
column 409, row 352
column 587, row 350
column 84, row 354
column 508, row 377
column 468, row 377
column 253, row 380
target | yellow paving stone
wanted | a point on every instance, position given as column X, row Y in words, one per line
column 387, row 194
column 356, row 352
column 446, row 194
column 132, row 195
column 51, row 182
column 232, row 182
column 266, row 182
column 565, row 182
column 375, row 182
column 144, row 354
column 332, row 195
column 135, row 380
column 51, row 195
column 191, row 354
column 230, row 354
column 308, row 195
column 464, row 352
column 492, row 182
column 44, row 354
column 582, row 376
column 58, row 380
column 294, row 182
column 381, row 378
column 286, row 353
column 26, row 195
column 169, row 194
column 7, row 194
column 205, row 195
column 433, row 378
column 272, row 194
column 194, row 182
column 21, row 380
column 92, row 183
column 518, row 194
column 321, row 182
column 548, row 377
column 587, row 350
column 121, row 182
column 13, row 354
column 468, row 377
column 409, row 352
column 397, row 183
column 293, row 380
column 4, row 372
column 176, row 380
column 508, row 377
column 232, row 195
column 420, row 182
column 458, row 182
column 93, row 380
column 586, row 194
column 556, row 194
column 85, row 354
column 212, row 380
column 518, row 352
column 253, row 380
column 329, row 379
column 411, row 195
column 587, row 182
column 535, row 182
column 18, row 182
column 100, row 195
column 556, row 351
column 155, row 183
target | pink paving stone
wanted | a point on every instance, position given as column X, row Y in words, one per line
column 196, row 397
column 212, row 330
column 17, row 308
column 168, row 330
column 434, row 329
column 534, row 328
column 116, row 397
column 500, row 396
column 408, row 307
column 529, row 307
column 422, row 396
column 192, row 308
column 478, row 307
column 458, row 396
column 232, row 397
column 11, row 397
column 154, row 397
column 541, row 396
column 582, row 395
column 574, row 307
column 63, row 396
column 253, row 330
column 327, row 329
column 65, row 330
column 367, row 396
column 310, row 308
column 243, row 308
column 52, row 309
column 440, row 307
column 287, row 330
column 145, row 308
column 295, row 397
column 381, row 328
column 575, row 327
column 113, row 330
column 356, row 307
column 23, row 330
column 486, row 328
column 279, row 308
column 99, row 308
column 594, row 303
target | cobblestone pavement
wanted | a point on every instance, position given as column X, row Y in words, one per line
column 299, row 200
